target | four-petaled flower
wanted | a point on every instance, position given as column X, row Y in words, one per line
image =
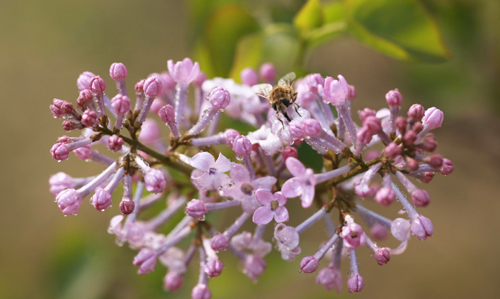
column 243, row 187
column 302, row 184
column 273, row 206
column 210, row 174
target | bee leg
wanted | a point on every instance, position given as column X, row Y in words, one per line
column 287, row 117
column 278, row 117
column 296, row 106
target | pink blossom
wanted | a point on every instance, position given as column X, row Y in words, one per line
column 302, row 183
column 155, row 180
column 353, row 236
column 355, row 283
column 173, row 281
column 69, row 201
column 336, row 91
column 210, row 174
column 254, row 266
column 422, row 227
column 273, row 206
column 183, row 72
column 243, row 187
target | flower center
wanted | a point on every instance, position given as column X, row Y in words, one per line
column 354, row 234
column 247, row 189
column 274, row 205
column 212, row 170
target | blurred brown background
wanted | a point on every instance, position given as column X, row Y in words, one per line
column 45, row 45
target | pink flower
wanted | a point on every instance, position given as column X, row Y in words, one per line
column 302, row 184
column 433, row 118
column 254, row 266
column 287, row 241
column 336, row 91
column 353, row 236
column 155, row 180
column 243, row 188
column 184, row 72
column 210, row 174
column 355, row 283
column 273, row 206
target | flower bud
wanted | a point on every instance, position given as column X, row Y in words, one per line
column 311, row 127
column 139, row 86
column 422, row 227
column 173, row 281
column 433, row 118
column 401, row 124
column 400, row 229
column 59, row 182
column 420, row 198
column 249, row 76
column 382, row 256
column 219, row 242
column 289, row 151
column 373, row 124
column 365, row 113
column 115, row 143
column 155, row 180
column 416, row 111
column 89, row 118
column 364, row 135
column 410, row 137
column 121, row 104
column 446, row 167
column 268, row 72
column 59, row 151
column 83, row 81
column 242, row 146
column 152, row 87
column 392, row 150
column 219, row 98
column 296, row 130
column 213, row 268
column 195, row 208
column 378, row 232
column 150, row 131
column 355, row 283
column 69, row 201
column 385, row 196
column 146, row 260
column 84, row 98
column 101, row 200
column 201, row 291
column 97, row 85
column 118, row 71
column 309, row 264
column 230, row 135
column 84, row 152
column 127, row 207
column 394, row 98
column 167, row 114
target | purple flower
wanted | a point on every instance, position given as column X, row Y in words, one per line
column 184, row 72
column 210, row 174
column 353, row 235
column 287, row 240
column 273, row 206
column 336, row 91
column 302, row 184
column 243, row 187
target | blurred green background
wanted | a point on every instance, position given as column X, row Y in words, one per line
column 443, row 53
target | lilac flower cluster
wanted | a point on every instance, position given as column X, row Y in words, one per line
column 269, row 176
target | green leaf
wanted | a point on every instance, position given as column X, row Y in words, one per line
column 334, row 26
column 334, row 12
column 248, row 54
column 399, row 28
column 309, row 17
column 223, row 30
column 281, row 47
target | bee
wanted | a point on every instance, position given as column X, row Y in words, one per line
column 280, row 96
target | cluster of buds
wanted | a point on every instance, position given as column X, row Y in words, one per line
column 265, row 175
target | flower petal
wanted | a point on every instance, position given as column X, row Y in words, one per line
column 307, row 196
column 295, row 167
column 266, row 183
column 292, row 188
column 263, row 215
column 223, row 164
column 281, row 214
column 280, row 198
column 239, row 174
column 195, row 70
column 264, row 197
column 202, row 161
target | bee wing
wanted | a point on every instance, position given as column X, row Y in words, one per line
column 287, row 79
column 262, row 90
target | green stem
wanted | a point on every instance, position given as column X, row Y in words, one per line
column 360, row 168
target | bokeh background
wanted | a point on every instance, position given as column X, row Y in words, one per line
column 45, row 45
